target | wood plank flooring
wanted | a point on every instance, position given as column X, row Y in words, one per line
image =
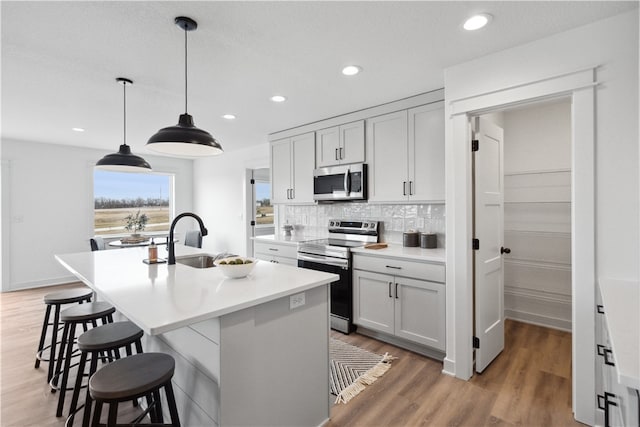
column 529, row 384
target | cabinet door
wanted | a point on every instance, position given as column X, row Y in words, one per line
column 387, row 157
column 280, row 171
column 373, row 301
column 420, row 311
column 426, row 152
column 303, row 158
column 328, row 147
column 351, row 148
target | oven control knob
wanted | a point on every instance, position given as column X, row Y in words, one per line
column 331, row 223
column 365, row 225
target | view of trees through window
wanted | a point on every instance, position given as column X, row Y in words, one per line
column 118, row 195
column 264, row 209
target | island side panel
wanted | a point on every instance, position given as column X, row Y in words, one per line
column 274, row 363
column 195, row 349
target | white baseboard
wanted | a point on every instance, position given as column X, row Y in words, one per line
column 539, row 308
column 41, row 283
column 449, row 367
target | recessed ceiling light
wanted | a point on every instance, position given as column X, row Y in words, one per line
column 77, row 129
column 351, row 70
column 477, row 21
column 229, row 116
column 278, row 98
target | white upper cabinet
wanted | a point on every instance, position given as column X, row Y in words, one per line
column 426, row 152
column 405, row 151
column 292, row 164
column 340, row 145
column 387, row 157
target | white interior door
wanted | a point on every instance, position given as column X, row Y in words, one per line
column 489, row 230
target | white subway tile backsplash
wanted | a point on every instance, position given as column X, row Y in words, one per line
column 394, row 219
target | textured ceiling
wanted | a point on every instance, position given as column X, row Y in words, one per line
column 60, row 61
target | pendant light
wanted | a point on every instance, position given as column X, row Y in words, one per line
column 185, row 139
column 124, row 160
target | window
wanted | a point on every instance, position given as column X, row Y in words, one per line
column 118, row 195
column 264, row 209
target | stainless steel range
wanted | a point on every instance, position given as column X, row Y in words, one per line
column 333, row 255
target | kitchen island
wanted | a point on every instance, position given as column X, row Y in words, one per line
column 250, row 351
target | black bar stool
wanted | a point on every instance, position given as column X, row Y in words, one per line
column 80, row 314
column 55, row 300
column 109, row 338
column 131, row 378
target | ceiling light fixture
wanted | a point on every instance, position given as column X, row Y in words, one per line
column 351, row 70
column 77, row 129
column 228, row 116
column 185, row 139
column 124, row 160
column 278, row 98
column 477, row 21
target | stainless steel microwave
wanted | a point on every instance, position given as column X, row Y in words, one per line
column 339, row 183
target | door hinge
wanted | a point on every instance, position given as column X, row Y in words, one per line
column 475, row 243
column 476, row 342
column 475, row 145
column 253, row 223
column 253, row 181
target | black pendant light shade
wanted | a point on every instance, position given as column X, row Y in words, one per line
column 185, row 139
column 124, row 160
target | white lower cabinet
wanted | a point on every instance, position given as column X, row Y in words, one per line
column 276, row 252
column 404, row 307
column 618, row 403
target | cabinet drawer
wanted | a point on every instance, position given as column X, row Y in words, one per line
column 419, row 270
column 275, row 249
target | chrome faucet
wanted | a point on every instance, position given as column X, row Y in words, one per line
column 171, row 245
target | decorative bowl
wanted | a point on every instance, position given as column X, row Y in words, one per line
column 235, row 271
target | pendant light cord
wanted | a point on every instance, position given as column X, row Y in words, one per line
column 185, row 72
column 124, row 89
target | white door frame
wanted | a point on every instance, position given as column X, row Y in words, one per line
column 580, row 87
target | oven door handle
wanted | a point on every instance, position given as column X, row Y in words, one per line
column 343, row 263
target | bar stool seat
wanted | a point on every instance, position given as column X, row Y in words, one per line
column 109, row 338
column 80, row 314
column 133, row 377
column 56, row 300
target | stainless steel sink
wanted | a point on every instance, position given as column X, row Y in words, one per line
column 197, row 261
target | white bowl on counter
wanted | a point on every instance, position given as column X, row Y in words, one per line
column 235, row 271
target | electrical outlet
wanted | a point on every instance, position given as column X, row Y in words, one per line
column 296, row 301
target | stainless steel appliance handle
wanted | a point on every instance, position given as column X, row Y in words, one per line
column 347, row 182
column 343, row 263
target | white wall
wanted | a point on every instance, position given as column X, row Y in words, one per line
column 220, row 194
column 47, row 207
column 537, row 214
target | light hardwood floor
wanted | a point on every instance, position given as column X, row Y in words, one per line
column 528, row 385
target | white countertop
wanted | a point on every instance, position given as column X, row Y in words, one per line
column 398, row 251
column 293, row 240
column 621, row 301
column 160, row 297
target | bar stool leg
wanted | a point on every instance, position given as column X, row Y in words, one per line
column 54, row 340
column 96, row 414
column 43, row 335
column 78, row 386
column 67, row 368
column 158, row 407
column 171, row 401
column 88, row 400
column 113, row 414
column 61, row 352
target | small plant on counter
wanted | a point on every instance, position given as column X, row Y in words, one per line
column 136, row 223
